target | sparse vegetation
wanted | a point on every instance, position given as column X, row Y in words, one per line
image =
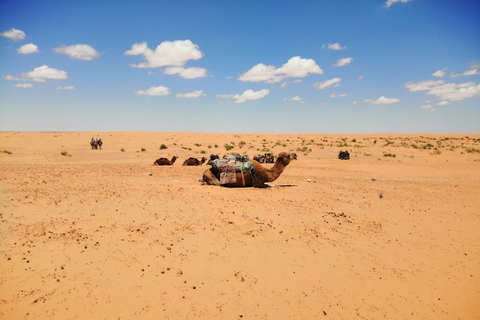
column 163, row 147
column 123, row 150
column 7, row 152
column 393, row 155
column 143, row 149
column 64, row 153
column 228, row 147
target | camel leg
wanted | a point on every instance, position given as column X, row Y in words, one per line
column 209, row 178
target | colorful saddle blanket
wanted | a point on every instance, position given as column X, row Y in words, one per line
column 226, row 169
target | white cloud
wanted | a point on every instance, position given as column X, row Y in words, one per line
column 168, row 53
column 472, row 72
column 443, row 103
column 360, row 78
column 247, row 95
column 335, row 82
column 423, row 85
column 390, row 2
column 41, row 74
column 66, row 88
column 27, row 49
column 155, row 91
column 284, row 85
column 188, row 73
column 335, row 46
column 78, row 51
column 10, row 77
column 428, row 107
column 446, row 91
column 296, row 67
column 354, row 102
column 474, row 65
column 297, row 81
column 383, row 100
column 23, row 85
column 298, row 99
column 343, row 62
column 333, row 95
column 439, row 73
column 193, row 94
column 14, row 34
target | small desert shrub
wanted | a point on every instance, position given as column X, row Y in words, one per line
column 123, row 150
column 198, row 144
column 472, row 150
column 185, row 148
column 389, row 155
column 163, row 147
column 209, row 147
column 7, row 152
column 143, row 149
column 64, row 153
column 437, row 152
column 228, row 147
column 354, row 140
column 216, row 145
column 203, row 151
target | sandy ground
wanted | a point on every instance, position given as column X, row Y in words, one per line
column 392, row 233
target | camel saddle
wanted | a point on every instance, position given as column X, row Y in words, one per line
column 226, row 169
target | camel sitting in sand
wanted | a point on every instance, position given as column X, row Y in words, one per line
column 256, row 178
column 194, row 162
column 164, row 161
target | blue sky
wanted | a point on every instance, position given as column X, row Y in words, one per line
column 370, row 66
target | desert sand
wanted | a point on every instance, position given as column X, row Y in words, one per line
column 392, row 233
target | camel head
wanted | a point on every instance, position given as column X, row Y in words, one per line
column 285, row 158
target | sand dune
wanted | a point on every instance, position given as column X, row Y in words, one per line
column 392, row 233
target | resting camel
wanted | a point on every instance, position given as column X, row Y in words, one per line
column 258, row 178
column 194, row 162
column 164, row 161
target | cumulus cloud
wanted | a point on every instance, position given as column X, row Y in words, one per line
column 27, row 49
column 66, row 88
column 472, row 72
column 296, row 67
column 193, row 94
column 78, row 51
column 333, row 95
column 335, row 46
column 41, row 74
column 168, row 53
column 187, row 73
column 428, row 107
column 439, row 73
column 423, row 85
column 14, row 34
column 247, row 95
column 390, row 2
column 446, row 91
column 23, row 85
column 155, row 91
column 343, row 62
column 335, row 82
column 298, row 99
column 10, row 78
column 443, row 103
column 382, row 100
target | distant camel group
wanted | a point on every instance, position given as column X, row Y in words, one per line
column 188, row 162
column 96, row 143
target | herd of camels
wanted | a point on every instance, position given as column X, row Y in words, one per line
column 258, row 177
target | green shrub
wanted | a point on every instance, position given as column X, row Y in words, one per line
column 6, row 151
column 64, row 153
column 143, row 149
column 228, row 147
column 163, row 147
column 389, row 155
